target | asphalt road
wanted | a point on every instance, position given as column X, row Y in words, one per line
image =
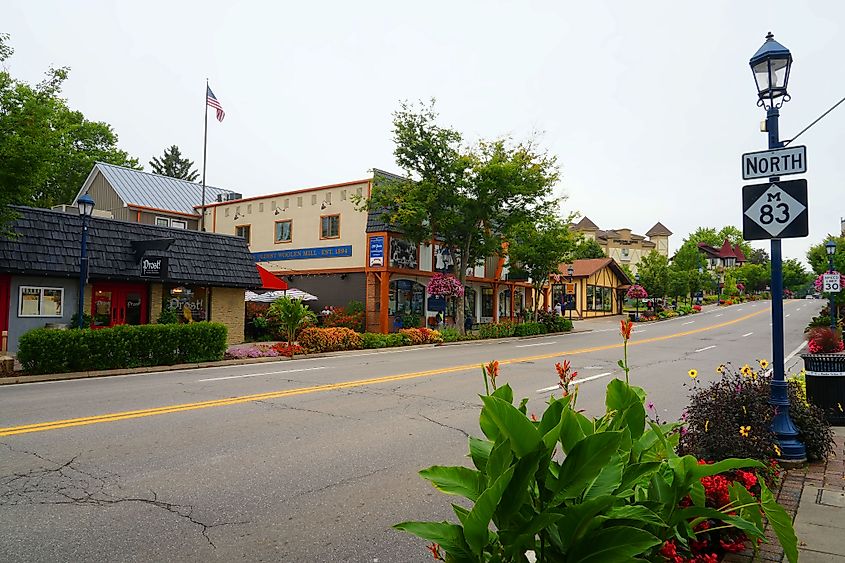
column 306, row 460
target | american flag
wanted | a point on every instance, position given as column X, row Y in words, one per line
column 210, row 100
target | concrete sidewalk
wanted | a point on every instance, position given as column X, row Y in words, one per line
column 815, row 496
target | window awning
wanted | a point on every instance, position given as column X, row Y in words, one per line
column 270, row 281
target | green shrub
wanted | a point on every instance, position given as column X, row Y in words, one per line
column 57, row 351
column 354, row 307
column 168, row 316
column 288, row 316
column 554, row 323
column 529, row 329
column 330, row 339
column 452, row 334
column 378, row 340
column 496, row 330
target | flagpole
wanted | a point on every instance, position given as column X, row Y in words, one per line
column 204, row 150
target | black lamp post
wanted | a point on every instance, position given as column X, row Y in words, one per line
column 771, row 65
column 85, row 204
column 571, row 299
column 830, row 246
column 637, row 281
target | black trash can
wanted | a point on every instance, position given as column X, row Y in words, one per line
column 826, row 384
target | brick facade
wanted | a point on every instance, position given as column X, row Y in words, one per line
column 156, row 301
column 227, row 307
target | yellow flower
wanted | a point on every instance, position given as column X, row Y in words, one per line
column 744, row 410
column 721, row 369
column 746, row 370
column 692, row 373
column 706, row 425
column 744, row 431
column 777, row 450
column 840, row 407
column 763, row 363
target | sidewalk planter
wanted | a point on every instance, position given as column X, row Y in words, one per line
column 826, row 384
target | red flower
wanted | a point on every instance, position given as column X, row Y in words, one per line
column 625, row 328
column 434, row 548
column 747, row 478
column 492, row 369
column 734, row 545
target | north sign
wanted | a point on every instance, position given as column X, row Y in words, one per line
column 776, row 162
column 775, row 210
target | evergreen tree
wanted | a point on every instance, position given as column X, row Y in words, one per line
column 172, row 164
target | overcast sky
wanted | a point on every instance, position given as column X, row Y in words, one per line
column 648, row 105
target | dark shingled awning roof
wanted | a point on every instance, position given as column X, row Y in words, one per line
column 47, row 243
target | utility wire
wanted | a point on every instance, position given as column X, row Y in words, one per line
column 814, row 122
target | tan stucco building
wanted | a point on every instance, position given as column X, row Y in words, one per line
column 624, row 246
column 596, row 289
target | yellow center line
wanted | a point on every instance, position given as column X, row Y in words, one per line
column 125, row 415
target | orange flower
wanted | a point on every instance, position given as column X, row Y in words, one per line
column 625, row 328
column 434, row 548
column 492, row 369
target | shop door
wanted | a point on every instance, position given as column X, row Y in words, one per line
column 119, row 304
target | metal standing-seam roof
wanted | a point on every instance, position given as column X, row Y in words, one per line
column 144, row 189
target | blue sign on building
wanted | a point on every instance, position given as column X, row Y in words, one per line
column 377, row 251
column 303, row 253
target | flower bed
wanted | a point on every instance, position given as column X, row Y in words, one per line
column 264, row 351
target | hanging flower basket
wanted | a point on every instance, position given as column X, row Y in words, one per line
column 444, row 285
column 636, row 292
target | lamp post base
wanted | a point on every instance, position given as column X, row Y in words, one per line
column 791, row 449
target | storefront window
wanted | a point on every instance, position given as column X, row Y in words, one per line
column 557, row 294
column 505, row 303
column 406, row 298
column 41, row 301
column 486, row 301
column 518, row 301
column 470, row 297
column 189, row 302
column 599, row 298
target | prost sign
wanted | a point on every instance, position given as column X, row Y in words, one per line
column 777, row 162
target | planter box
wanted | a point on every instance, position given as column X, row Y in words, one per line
column 826, row 384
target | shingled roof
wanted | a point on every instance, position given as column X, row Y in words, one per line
column 658, row 230
column 585, row 225
column 136, row 187
column 47, row 243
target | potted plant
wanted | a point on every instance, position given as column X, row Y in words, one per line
column 825, row 366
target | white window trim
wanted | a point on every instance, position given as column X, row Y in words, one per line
column 165, row 219
column 174, row 222
column 40, row 289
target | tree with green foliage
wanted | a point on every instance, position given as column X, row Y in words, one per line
column 588, row 248
column 469, row 199
column 628, row 272
column 678, row 285
column 817, row 257
column 714, row 238
column 46, row 149
column 654, row 273
column 538, row 248
column 174, row 165
column 289, row 316
column 755, row 276
column 688, row 257
column 795, row 276
column 758, row 256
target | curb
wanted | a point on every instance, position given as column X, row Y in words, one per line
column 18, row 379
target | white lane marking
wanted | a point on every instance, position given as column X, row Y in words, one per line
column 787, row 315
column 592, row 377
column 747, row 334
column 688, row 323
column 538, row 344
column 706, row 348
column 794, row 352
column 720, row 314
column 740, row 309
column 258, row 374
column 593, row 367
column 638, row 330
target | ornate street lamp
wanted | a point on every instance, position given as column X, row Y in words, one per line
column 771, row 65
column 637, row 281
column 571, row 300
column 85, row 204
column 830, row 246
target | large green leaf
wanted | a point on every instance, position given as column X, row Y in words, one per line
column 460, row 512
column 627, row 406
column 638, row 474
column 476, row 525
column 487, row 424
column 500, row 459
column 449, row 536
column 701, row 513
column 517, row 494
column 697, row 494
column 611, row 545
column 635, row 512
column 523, row 436
column 479, row 451
column 781, row 523
column 579, row 519
column 571, row 430
column 456, row 480
column 705, row 470
column 741, row 497
column 584, row 462
column 608, row 480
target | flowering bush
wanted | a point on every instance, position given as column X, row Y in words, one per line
column 554, row 322
column 696, row 308
column 445, row 285
column 330, row 339
column 636, row 292
column 238, row 353
column 496, row 330
column 286, row 349
column 564, row 487
column 342, row 317
column 819, row 281
column 824, row 340
column 378, row 340
column 421, row 335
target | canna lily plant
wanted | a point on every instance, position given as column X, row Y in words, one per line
column 566, row 487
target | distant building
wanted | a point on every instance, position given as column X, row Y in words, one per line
column 141, row 197
column 624, row 246
column 728, row 256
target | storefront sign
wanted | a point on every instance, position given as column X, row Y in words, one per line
column 377, row 251
column 570, row 288
column 304, row 253
column 437, row 304
column 153, row 267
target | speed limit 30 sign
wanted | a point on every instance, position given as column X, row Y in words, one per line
column 831, row 283
column 775, row 210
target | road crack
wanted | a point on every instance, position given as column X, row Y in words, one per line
column 438, row 423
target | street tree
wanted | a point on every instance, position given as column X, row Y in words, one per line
column 758, row 256
column 688, row 257
column 817, row 257
column 654, row 273
column 46, row 149
column 716, row 238
column 755, row 276
column 795, row 275
column 538, row 247
column 469, row 199
column 587, row 248
column 172, row 164
column 678, row 285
